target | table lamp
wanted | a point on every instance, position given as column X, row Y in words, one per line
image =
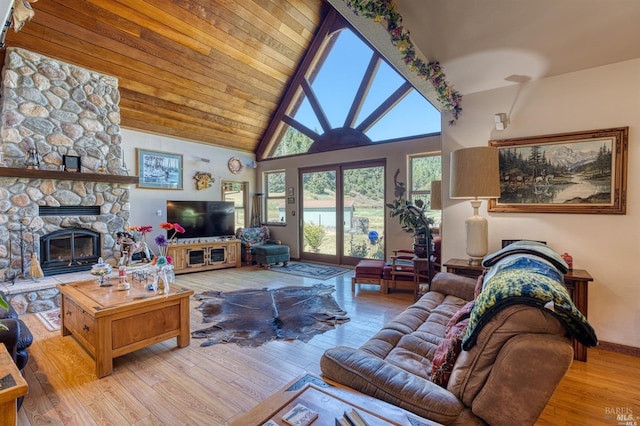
column 475, row 174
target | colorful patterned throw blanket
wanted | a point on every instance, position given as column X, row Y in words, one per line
column 523, row 279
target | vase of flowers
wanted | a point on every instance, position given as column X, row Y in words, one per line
column 161, row 268
column 163, row 264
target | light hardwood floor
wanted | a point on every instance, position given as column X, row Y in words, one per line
column 212, row 385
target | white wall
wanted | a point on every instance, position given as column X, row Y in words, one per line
column 395, row 154
column 607, row 246
column 145, row 203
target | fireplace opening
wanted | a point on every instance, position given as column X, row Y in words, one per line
column 69, row 250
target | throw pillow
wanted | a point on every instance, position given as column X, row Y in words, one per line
column 447, row 354
column 448, row 350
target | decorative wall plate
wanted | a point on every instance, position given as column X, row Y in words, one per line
column 235, row 165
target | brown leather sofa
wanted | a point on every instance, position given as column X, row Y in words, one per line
column 518, row 358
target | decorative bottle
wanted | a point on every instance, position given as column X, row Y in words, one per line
column 568, row 259
column 123, row 284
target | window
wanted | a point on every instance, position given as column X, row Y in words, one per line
column 237, row 192
column 424, row 169
column 276, row 197
column 347, row 95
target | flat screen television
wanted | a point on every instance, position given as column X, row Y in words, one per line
column 203, row 219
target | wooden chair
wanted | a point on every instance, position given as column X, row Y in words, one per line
column 402, row 268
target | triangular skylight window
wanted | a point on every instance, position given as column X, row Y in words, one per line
column 344, row 95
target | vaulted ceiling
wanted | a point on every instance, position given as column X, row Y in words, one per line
column 214, row 71
column 211, row 71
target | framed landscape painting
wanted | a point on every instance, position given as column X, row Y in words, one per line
column 158, row 170
column 579, row 172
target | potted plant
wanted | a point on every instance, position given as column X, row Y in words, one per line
column 314, row 235
column 412, row 219
column 4, row 305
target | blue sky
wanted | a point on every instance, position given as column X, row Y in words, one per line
column 338, row 80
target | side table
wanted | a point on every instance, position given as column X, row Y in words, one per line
column 462, row 267
column 576, row 281
column 12, row 387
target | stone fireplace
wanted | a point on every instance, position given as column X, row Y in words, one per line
column 58, row 110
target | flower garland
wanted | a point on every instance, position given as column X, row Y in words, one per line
column 380, row 10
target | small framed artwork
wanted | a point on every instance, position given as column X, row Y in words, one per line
column 291, row 200
column 158, row 170
column 290, row 191
column 71, row 163
column 578, row 172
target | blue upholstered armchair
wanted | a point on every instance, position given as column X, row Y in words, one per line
column 250, row 238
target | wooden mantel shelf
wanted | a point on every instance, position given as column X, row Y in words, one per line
column 60, row 175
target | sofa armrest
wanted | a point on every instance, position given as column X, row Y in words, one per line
column 373, row 376
column 10, row 336
column 455, row 285
column 4, row 313
column 523, row 379
column 520, row 345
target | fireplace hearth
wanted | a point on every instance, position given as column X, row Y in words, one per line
column 69, row 250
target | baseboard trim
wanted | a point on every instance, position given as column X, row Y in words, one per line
column 616, row 347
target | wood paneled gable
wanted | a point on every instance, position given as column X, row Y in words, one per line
column 211, row 71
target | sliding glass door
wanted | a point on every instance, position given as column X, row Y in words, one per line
column 363, row 201
column 319, row 217
column 342, row 212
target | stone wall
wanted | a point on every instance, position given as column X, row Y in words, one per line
column 58, row 109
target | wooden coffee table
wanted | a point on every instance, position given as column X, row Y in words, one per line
column 109, row 323
column 330, row 401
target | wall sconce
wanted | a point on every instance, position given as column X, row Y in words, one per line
column 501, row 121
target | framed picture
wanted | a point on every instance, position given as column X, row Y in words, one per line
column 580, row 172
column 158, row 170
column 291, row 200
column 71, row 163
column 290, row 191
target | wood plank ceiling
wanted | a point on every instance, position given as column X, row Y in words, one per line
column 211, row 71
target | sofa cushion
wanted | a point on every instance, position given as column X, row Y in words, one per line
column 410, row 340
column 455, row 285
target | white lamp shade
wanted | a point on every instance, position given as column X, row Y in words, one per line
column 475, row 173
column 436, row 195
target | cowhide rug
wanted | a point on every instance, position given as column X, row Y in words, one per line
column 255, row 316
